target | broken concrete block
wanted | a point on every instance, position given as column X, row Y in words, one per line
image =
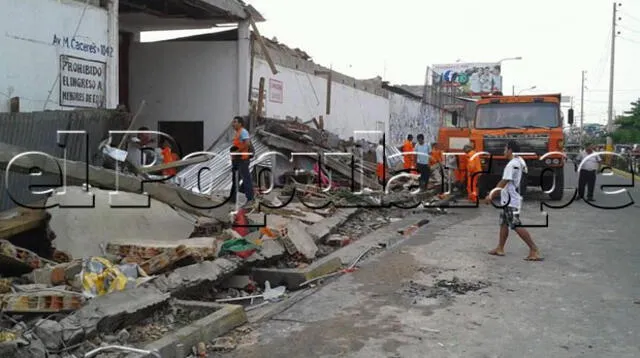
column 320, row 230
column 272, row 249
column 338, row 240
column 238, row 281
column 298, row 237
column 191, row 276
column 109, row 312
column 292, row 278
column 50, row 332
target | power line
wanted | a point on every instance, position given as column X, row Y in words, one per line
column 630, row 40
column 629, row 16
column 618, row 90
column 629, row 29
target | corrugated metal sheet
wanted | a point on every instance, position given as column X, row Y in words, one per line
column 215, row 174
column 37, row 131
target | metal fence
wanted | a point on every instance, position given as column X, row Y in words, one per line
column 38, row 131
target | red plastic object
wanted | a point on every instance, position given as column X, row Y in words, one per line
column 241, row 219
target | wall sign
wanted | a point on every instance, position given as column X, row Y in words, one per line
column 81, row 45
column 276, row 91
column 82, row 82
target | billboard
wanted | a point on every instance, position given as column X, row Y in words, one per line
column 475, row 79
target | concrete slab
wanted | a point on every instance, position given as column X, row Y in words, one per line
column 226, row 318
column 80, row 231
column 109, row 312
column 189, row 277
column 297, row 236
column 292, row 278
column 323, row 228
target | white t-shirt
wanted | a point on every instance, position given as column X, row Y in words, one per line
column 512, row 173
column 380, row 154
column 590, row 163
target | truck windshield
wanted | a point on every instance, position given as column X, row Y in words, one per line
column 517, row 115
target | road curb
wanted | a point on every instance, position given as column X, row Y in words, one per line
column 624, row 174
column 292, row 278
column 226, row 318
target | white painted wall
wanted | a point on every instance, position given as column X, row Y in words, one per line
column 186, row 81
column 408, row 116
column 30, row 62
column 304, row 96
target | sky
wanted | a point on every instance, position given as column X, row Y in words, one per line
column 397, row 40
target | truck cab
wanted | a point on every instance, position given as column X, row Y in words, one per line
column 534, row 121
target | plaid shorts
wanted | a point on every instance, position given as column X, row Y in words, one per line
column 510, row 217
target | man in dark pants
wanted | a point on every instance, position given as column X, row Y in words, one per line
column 422, row 161
column 588, row 171
column 240, row 162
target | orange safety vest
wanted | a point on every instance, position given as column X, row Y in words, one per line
column 436, row 157
column 408, row 158
column 242, row 147
column 168, row 157
column 473, row 165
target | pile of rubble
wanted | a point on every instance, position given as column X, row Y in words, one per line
column 118, row 289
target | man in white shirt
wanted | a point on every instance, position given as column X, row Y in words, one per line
column 588, row 171
column 422, row 161
column 511, row 202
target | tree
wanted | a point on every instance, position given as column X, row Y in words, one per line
column 629, row 122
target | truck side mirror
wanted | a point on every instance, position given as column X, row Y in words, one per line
column 570, row 116
column 454, row 118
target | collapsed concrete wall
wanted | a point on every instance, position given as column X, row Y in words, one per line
column 38, row 131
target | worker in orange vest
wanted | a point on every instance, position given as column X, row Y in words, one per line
column 435, row 162
column 460, row 173
column 168, row 156
column 473, row 166
column 409, row 158
column 240, row 161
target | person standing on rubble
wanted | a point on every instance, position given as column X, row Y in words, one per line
column 435, row 162
column 422, row 162
column 407, row 149
column 240, row 161
column 380, row 161
column 140, row 149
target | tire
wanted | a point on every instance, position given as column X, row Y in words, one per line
column 558, row 189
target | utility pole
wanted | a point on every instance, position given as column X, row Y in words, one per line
column 611, row 75
column 582, row 108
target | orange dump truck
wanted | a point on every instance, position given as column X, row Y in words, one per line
column 534, row 121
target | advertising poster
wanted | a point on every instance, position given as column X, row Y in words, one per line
column 476, row 79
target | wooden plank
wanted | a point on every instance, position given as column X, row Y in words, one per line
column 263, row 46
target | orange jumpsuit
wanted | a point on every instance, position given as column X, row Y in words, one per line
column 436, row 157
column 167, row 157
column 409, row 159
column 473, row 166
column 461, row 171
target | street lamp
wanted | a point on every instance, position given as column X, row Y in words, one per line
column 510, row 58
column 527, row 89
column 513, row 88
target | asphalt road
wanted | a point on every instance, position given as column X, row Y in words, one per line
column 582, row 301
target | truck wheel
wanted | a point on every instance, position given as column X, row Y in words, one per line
column 558, row 189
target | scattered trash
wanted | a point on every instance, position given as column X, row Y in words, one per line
column 99, row 276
